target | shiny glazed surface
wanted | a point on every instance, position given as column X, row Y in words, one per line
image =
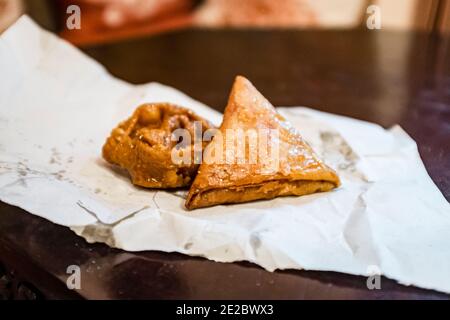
column 143, row 145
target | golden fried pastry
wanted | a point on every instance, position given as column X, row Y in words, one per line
column 293, row 170
column 143, row 145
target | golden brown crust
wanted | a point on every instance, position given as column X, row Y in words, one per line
column 299, row 172
column 142, row 145
column 266, row 190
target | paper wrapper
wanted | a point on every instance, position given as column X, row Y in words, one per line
column 57, row 107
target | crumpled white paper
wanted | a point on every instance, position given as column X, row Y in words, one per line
column 57, row 107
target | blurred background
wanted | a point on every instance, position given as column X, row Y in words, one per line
column 110, row 20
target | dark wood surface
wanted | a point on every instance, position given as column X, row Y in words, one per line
column 382, row 77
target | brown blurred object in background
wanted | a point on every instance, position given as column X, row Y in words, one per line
column 112, row 20
column 10, row 11
column 106, row 20
column 256, row 13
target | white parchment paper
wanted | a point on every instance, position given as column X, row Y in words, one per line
column 57, row 107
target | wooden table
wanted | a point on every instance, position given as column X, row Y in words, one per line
column 382, row 77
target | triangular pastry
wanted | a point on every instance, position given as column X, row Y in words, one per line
column 293, row 170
